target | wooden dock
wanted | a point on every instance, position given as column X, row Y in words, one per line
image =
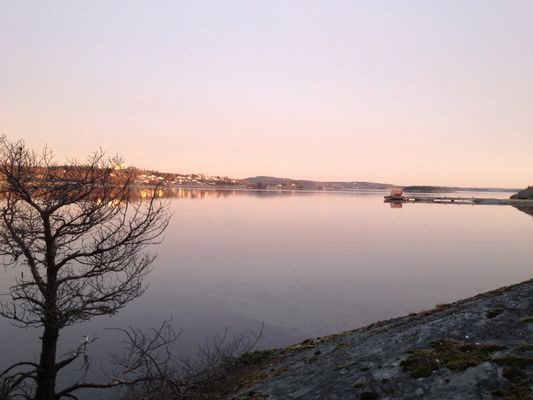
column 397, row 197
column 415, row 198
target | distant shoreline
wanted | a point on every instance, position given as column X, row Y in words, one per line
column 362, row 190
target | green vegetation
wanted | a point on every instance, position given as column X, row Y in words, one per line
column 515, row 371
column 514, row 375
column 527, row 320
column 494, row 312
column 514, row 362
column 445, row 353
column 254, row 357
column 340, row 346
column 524, row 347
column 232, row 373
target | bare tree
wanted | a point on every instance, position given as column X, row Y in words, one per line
column 77, row 234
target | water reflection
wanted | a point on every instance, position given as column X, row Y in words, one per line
column 214, row 193
column 526, row 209
column 202, row 193
column 307, row 264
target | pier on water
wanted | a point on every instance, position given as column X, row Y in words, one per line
column 416, row 198
column 398, row 197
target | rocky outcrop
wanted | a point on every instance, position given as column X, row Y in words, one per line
column 526, row 194
column 479, row 348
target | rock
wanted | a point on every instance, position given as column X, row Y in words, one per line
column 369, row 363
column 526, row 194
column 368, row 396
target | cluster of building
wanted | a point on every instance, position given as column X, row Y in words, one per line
column 152, row 178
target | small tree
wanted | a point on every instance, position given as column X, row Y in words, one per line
column 78, row 234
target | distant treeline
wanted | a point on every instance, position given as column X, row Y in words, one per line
column 428, row 189
column 451, row 189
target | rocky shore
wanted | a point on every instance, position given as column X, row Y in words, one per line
column 526, row 194
column 478, row 348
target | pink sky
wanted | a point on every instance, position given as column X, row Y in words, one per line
column 410, row 92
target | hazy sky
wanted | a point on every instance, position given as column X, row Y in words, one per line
column 406, row 92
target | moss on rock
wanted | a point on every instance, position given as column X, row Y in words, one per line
column 446, row 353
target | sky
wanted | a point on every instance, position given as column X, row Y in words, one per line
column 404, row 92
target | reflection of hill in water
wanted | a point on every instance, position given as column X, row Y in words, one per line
column 526, row 209
column 207, row 193
column 215, row 193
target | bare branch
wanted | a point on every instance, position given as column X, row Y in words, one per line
column 145, row 359
column 81, row 234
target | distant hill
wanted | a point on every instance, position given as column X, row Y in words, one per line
column 428, row 189
column 526, row 194
column 270, row 182
column 451, row 189
column 148, row 177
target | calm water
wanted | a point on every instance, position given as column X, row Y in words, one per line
column 309, row 264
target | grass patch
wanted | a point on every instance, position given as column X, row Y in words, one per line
column 494, row 312
column 254, row 357
column 519, row 392
column 527, row 320
column 340, row 346
column 515, row 371
column 514, row 362
column 235, row 373
column 524, row 347
column 446, row 353
column 514, row 375
column 421, row 363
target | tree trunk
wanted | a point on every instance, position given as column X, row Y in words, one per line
column 47, row 372
column 46, row 375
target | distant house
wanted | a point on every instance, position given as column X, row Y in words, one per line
column 396, row 195
column 396, row 192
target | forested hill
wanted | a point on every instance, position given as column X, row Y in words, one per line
column 451, row 189
column 269, row 182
